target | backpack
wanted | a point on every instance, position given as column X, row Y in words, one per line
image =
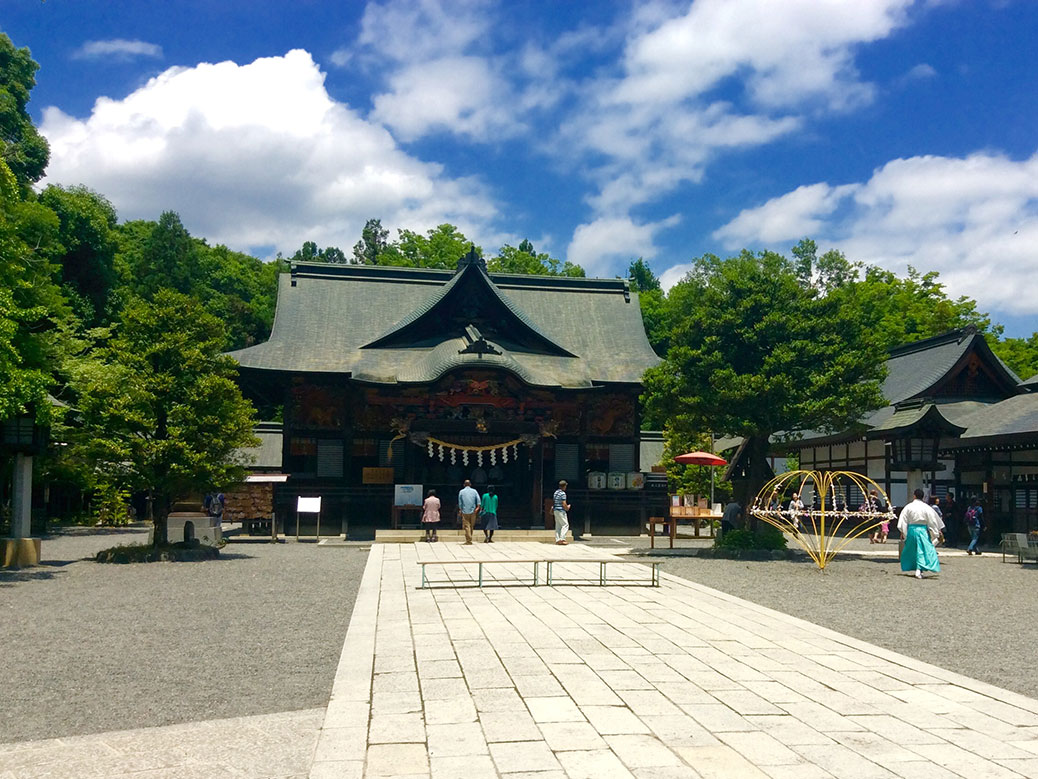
column 971, row 516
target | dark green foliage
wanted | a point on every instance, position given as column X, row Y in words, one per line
column 87, row 233
column 21, row 146
column 160, row 409
column 165, row 553
column 641, row 277
column 756, row 349
column 372, row 243
column 239, row 289
column 310, row 253
column 525, row 259
column 765, row 537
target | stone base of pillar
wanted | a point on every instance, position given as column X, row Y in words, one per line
column 19, row 552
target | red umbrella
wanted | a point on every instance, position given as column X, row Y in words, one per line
column 700, row 458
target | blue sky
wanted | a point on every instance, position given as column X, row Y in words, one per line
column 900, row 132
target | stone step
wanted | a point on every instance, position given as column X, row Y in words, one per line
column 410, row 536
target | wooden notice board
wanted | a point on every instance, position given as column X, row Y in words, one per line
column 377, row 476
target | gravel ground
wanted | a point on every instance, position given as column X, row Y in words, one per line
column 978, row 617
column 87, row 648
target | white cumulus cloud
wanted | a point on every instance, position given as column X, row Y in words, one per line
column 972, row 219
column 256, row 155
column 117, row 49
column 598, row 245
column 695, row 81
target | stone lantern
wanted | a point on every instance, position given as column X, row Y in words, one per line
column 23, row 438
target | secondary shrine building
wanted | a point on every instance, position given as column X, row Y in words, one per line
column 400, row 376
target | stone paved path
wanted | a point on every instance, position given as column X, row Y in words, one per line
column 634, row 681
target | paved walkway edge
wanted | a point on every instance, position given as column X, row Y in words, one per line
column 342, row 742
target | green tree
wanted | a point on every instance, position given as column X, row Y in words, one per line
column 168, row 258
column 641, row 277
column 21, row 146
column 754, row 351
column 310, row 253
column 899, row 310
column 1020, row 354
column 30, row 302
column 525, row 259
column 440, row 247
column 372, row 243
column 87, row 235
column 653, row 306
column 160, row 407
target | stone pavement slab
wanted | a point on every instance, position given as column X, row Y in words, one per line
column 258, row 747
column 628, row 680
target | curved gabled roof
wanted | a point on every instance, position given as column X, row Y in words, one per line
column 556, row 331
column 470, row 284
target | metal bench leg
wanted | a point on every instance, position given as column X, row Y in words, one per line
column 481, row 574
column 601, row 574
column 655, row 574
column 548, row 563
column 536, row 566
column 423, row 576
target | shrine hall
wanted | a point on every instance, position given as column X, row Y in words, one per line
column 393, row 376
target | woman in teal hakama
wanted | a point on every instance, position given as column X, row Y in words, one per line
column 918, row 523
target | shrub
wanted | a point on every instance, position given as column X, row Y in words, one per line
column 765, row 537
column 146, row 553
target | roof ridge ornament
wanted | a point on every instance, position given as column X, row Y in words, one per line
column 472, row 257
column 477, row 343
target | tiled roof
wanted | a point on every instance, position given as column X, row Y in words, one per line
column 915, row 370
column 326, row 314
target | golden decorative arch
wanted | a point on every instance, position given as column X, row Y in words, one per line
column 818, row 530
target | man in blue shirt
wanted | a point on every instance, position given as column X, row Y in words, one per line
column 468, row 505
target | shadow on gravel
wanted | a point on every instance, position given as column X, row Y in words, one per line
column 10, row 578
column 80, row 530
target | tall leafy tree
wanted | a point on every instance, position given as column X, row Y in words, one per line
column 309, row 252
column 168, row 258
column 526, row 259
column 756, row 350
column 30, row 301
column 21, row 146
column 87, row 223
column 653, row 306
column 372, row 243
column 440, row 247
column 160, row 407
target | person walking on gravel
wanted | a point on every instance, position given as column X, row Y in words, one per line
column 560, row 508
column 917, row 523
column 974, row 523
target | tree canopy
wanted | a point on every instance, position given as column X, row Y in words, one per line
column 160, row 408
column 755, row 350
column 21, row 146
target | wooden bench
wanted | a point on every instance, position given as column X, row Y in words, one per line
column 549, row 562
